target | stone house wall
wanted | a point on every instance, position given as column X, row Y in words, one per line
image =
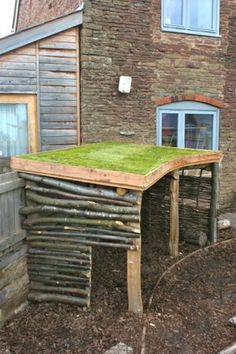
column 125, row 38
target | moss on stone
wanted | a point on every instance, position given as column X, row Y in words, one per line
column 132, row 158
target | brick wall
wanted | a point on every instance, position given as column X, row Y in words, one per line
column 34, row 12
column 124, row 38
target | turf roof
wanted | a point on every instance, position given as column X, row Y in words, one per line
column 132, row 158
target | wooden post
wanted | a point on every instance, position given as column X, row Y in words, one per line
column 214, row 203
column 134, row 279
column 174, row 215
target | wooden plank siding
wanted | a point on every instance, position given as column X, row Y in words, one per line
column 13, row 249
column 18, row 71
column 49, row 69
column 58, row 76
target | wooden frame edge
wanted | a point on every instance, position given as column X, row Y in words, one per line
column 31, row 102
column 111, row 178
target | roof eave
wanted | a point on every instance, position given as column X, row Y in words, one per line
column 33, row 34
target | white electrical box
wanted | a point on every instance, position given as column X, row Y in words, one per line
column 125, row 84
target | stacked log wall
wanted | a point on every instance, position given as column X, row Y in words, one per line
column 13, row 249
column 64, row 220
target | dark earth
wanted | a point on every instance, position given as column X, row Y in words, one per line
column 188, row 311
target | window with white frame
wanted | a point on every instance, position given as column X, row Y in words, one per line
column 188, row 124
column 191, row 16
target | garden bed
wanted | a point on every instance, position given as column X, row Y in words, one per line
column 188, row 314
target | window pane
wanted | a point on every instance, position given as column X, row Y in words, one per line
column 13, row 129
column 198, row 131
column 173, row 12
column 201, row 14
column 169, row 129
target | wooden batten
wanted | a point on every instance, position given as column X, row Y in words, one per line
column 214, row 203
column 134, row 279
column 78, row 85
column 174, row 215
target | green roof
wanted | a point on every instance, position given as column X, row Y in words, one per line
column 132, row 158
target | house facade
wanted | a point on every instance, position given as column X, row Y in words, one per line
column 179, row 71
column 181, row 61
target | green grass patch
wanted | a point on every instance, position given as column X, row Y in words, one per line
column 132, row 158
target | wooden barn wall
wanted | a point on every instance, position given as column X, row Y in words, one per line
column 50, row 69
column 13, row 249
column 18, row 72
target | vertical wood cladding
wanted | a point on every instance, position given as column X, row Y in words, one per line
column 48, row 68
column 58, row 90
column 125, row 38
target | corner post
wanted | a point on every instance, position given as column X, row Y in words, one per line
column 134, row 279
column 134, row 268
column 214, row 202
column 174, row 215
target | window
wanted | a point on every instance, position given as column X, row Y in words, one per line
column 191, row 16
column 188, row 124
column 18, row 133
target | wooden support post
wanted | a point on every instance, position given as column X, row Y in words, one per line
column 174, row 215
column 214, row 203
column 134, row 279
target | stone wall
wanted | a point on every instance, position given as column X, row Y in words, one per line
column 228, row 124
column 124, row 38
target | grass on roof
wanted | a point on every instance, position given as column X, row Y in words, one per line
column 123, row 157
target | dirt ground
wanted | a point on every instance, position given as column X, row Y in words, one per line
column 187, row 313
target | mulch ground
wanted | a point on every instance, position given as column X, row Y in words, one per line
column 189, row 312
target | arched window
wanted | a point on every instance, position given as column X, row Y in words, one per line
column 188, row 124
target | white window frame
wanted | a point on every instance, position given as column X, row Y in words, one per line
column 186, row 27
column 181, row 109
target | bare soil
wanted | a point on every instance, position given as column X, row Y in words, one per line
column 188, row 313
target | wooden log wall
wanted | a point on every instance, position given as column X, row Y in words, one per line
column 13, row 265
column 195, row 204
column 195, row 189
column 49, row 69
column 63, row 221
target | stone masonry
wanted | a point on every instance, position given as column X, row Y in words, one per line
column 123, row 37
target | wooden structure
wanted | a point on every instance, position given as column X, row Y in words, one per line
column 13, row 249
column 65, row 218
column 39, row 67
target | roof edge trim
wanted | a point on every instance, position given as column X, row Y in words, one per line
column 33, row 34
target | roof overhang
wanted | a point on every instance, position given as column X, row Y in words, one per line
column 33, row 34
column 85, row 165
